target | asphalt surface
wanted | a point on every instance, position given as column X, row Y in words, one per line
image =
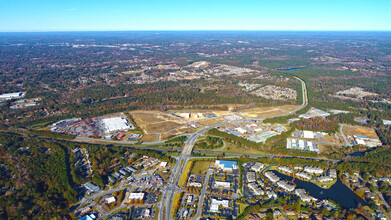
column 172, row 187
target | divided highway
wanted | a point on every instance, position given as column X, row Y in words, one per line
column 172, row 185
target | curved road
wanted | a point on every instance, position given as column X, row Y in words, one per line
column 171, row 187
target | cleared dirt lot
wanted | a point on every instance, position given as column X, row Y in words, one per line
column 211, row 121
column 149, row 138
column 357, row 130
column 263, row 112
column 155, row 122
column 183, row 130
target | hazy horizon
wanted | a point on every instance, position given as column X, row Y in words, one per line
column 175, row 15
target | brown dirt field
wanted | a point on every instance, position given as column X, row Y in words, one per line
column 149, row 138
column 332, row 139
column 211, row 121
column 357, row 130
column 166, row 136
column 152, row 122
column 160, row 126
column 182, row 130
column 186, row 130
column 267, row 111
column 325, row 149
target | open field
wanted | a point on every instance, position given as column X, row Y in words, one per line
column 149, row 138
column 327, row 149
column 242, row 206
column 155, row 122
column 200, row 167
column 184, row 176
column 230, row 147
column 175, row 132
column 174, row 204
column 263, row 112
column 160, row 127
column 212, row 121
column 358, row 130
column 334, row 138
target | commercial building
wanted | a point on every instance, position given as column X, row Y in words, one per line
column 304, row 145
column 110, row 199
column 214, row 205
column 304, row 175
column 285, row 169
column 220, row 184
column 195, row 180
column 308, row 134
column 369, row 142
column 297, row 167
column 272, row 177
column 271, row 194
column 134, row 196
column 313, row 169
column 163, row 165
column 303, row 195
column 333, row 173
column 325, row 179
column 285, row 185
column 226, row 165
column 264, row 136
column 257, row 167
column 240, row 130
column 114, row 124
column 9, row 96
column 387, row 122
column 251, row 177
column 257, row 190
column 91, row 187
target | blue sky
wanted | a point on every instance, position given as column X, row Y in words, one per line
column 88, row 15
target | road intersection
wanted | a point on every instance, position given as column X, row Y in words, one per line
column 172, row 186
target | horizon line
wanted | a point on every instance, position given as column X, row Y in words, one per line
column 185, row 30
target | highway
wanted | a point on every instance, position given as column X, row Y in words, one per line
column 171, row 187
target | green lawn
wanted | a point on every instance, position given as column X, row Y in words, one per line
column 183, row 178
column 175, row 200
column 200, row 167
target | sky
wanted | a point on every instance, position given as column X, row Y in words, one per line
column 119, row 15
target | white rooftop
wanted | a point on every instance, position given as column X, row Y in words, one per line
column 116, row 124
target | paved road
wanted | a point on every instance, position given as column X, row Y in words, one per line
column 202, row 197
column 188, row 148
column 172, row 185
column 343, row 135
column 382, row 198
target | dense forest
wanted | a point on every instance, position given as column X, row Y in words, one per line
column 317, row 124
column 37, row 183
column 40, row 177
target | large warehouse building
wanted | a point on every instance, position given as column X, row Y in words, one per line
column 116, row 124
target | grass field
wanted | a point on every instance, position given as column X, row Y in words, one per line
column 174, row 204
column 149, row 138
column 242, row 206
column 186, row 171
column 211, row 121
column 175, row 132
column 231, row 147
column 263, row 112
column 200, row 167
column 156, row 216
